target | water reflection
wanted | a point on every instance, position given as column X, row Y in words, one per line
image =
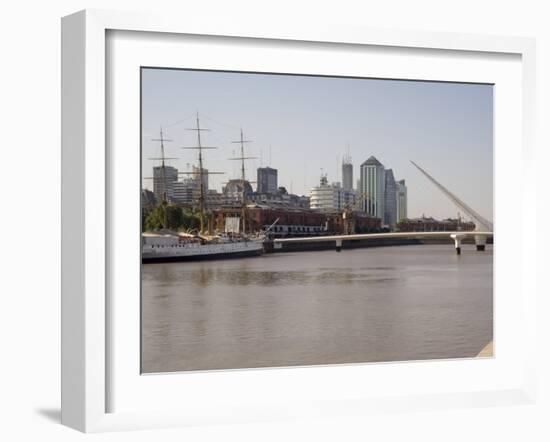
column 246, row 277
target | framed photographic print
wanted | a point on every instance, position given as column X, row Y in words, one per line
column 207, row 305
column 265, row 223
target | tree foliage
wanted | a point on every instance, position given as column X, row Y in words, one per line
column 169, row 216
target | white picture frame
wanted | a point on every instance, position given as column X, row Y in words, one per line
column 87, row 354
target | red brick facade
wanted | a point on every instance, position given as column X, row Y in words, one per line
column 296, row 221
column 433, row 225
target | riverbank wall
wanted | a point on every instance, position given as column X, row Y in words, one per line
column 360, row 243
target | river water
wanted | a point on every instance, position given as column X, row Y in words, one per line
column 305, row 308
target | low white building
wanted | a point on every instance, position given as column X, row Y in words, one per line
column 326, row 197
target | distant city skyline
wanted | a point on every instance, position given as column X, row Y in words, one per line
column 304, row 126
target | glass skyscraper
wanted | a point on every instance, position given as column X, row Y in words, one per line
column 372, row 190
column 390, row 202
column 401, row 200
column 267, row 180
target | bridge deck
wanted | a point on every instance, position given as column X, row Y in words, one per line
column 463, row 234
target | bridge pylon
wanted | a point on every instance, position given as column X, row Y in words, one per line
column 481, row 223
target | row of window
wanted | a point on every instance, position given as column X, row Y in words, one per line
column 158, row 246
column 305, row 229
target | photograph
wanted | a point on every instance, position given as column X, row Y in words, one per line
column 303, row 220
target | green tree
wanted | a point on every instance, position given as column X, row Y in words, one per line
column 174, row 217
column 191, row 220
column 154, row 219
column 169, row 216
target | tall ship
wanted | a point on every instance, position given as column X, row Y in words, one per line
column 176, row 247
column 165, row 246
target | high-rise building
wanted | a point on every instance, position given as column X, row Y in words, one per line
column 347, row 174
column 186, row 191
column 196, row 177
column 326, row 197
column 390, row 200
column 164, row 178
column 372, row 187
column 401, row 198
column 267, row 180
column 148, row 198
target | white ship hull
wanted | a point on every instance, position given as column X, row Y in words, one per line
column 178, row 251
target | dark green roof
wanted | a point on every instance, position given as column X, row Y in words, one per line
column 372, row 161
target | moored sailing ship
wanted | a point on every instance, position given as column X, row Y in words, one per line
column 171, row 246
column 174, row 247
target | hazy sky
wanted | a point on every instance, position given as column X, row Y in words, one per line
column 308, row 122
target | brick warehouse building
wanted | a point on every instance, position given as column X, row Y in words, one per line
column 433, row 225
column 349, row 222
column 293, row 221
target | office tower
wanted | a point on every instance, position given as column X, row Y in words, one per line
column 372, row 187
column 347, row 174
column 401, row 200
column 164, row 178
column 196, row 177
column 267, row 180
column 390, row 200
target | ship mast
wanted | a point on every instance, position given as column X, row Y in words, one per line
column 242, row 141
column 202, row 173
column 163, row 158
